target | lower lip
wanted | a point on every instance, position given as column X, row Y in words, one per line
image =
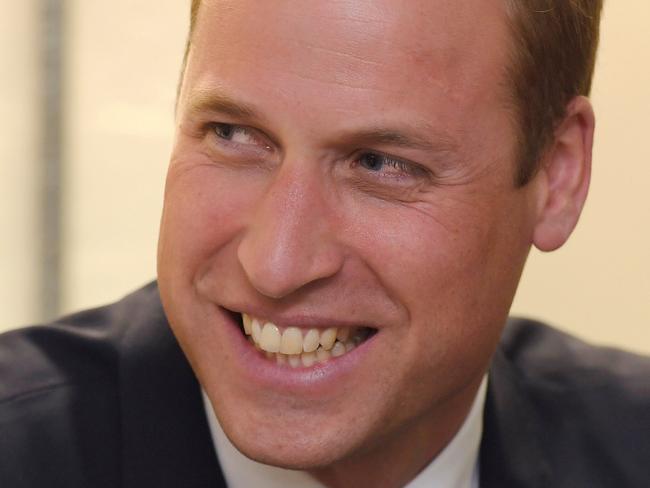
column 259, row 370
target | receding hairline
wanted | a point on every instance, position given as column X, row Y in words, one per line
column 194, row 13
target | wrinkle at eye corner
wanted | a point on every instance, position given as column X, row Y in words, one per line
column 425, row 208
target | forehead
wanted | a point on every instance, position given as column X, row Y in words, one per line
column 438, row 56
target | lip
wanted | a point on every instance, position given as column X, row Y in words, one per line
column 300, row 320
column 257, row 370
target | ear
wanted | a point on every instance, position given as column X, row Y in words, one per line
column 565, row 172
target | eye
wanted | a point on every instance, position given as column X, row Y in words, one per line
column 372, row 162
column 240, row 135
column 388, row 166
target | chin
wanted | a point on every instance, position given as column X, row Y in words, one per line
column 297, row 449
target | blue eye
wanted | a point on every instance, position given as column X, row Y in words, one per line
column 241, row 136
column 377, row 162
column 225, row 131
column 372, row 162
column 235, row 133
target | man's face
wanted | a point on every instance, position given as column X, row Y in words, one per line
column 348, row 164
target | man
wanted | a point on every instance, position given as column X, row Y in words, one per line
column 352, row 194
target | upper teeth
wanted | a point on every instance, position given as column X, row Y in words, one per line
column 292, row 340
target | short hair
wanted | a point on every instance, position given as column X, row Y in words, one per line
column 194, row 13
column 552, row 61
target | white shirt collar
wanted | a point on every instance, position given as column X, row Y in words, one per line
column 457, row 465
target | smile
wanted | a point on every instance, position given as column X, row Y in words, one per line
column 297, row 347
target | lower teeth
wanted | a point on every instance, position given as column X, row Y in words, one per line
column 308, row 359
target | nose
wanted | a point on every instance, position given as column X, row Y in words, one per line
column 291, row 239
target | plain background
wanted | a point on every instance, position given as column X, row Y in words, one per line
column 122, row 65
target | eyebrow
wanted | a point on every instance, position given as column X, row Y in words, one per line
column 396, row 137
column 217, row 102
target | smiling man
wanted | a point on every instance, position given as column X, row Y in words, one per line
column 350, row 173
column 352, row 195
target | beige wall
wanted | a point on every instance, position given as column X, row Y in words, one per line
column 598, row 285
column 124, row 61
column 123, row 65
column 18, row 155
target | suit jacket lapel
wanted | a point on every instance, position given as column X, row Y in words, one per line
column 511, row 453
column 164, row 430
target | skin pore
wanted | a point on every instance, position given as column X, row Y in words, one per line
column 353, row 166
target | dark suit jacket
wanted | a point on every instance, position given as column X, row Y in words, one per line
column 105, row 398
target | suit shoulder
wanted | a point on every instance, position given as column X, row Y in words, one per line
column 77, row 349
column 591, row 400
column 549, row 356
column 581, row 412
column 60, row 396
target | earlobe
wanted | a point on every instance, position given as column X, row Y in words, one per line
column 567, row 171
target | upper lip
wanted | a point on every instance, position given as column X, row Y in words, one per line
column 302, row 320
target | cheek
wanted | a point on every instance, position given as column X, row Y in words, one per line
column 204, row 210
column 418, row 254
column 452, row 265
column 446, row 269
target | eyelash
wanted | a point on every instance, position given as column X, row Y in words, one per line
column 398, row 164
column 406, row 168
